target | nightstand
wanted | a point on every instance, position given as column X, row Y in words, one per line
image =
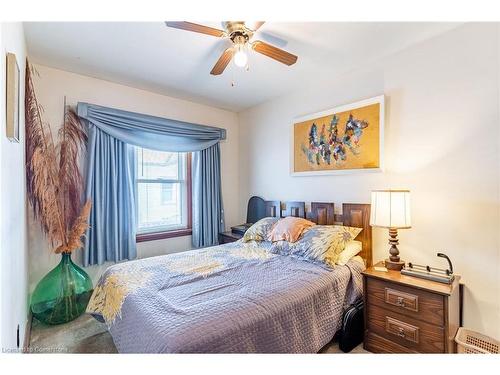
column 227, row 237
column 405, row 314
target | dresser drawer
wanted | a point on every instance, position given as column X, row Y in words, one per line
column 377, row 344
column 402, row 329
column 414, row 303
column 405, row 331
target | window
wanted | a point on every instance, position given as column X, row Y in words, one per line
column 163, row 194
column 167, row 194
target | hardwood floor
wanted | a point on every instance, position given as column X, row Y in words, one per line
column 86, row 335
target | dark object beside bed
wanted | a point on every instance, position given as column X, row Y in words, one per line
column 351, row 332
column 257, row 209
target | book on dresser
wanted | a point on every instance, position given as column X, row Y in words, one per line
column 405, row 314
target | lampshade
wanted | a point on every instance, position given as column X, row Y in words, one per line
column 390, row 209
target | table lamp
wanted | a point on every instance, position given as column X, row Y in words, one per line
column 391, row 209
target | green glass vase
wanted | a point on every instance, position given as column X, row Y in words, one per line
column 63, row 294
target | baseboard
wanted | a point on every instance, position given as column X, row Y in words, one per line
column 27, row 333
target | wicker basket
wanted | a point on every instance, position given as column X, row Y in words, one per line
column 474, row 343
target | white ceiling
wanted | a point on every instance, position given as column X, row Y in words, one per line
column 173, row 62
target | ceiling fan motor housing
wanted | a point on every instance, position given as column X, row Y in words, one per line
column 238, row 32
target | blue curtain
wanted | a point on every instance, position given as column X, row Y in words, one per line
column 110, row 187
column 208, row 212
column 111, row 177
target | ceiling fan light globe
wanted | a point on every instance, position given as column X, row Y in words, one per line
column 240, row 59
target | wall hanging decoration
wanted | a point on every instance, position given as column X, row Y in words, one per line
column 12, row 98
column 55, row 191
column 344, row 139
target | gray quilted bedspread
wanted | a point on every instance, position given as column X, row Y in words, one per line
column 233, row 298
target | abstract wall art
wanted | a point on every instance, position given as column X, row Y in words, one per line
column 344, row 139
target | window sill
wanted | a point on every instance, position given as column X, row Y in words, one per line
column 143, row 237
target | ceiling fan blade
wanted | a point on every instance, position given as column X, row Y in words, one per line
column 254, row 26
column 221, row 64
column 189, row 26
column 274, row 53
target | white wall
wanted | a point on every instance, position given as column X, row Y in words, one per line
column 441, row 142
column 13, row 242
column 53, row 85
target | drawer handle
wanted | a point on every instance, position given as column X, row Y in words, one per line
column 400, row 299
column 401, row 332
column 401, row 329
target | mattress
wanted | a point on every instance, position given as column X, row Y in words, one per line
column 233, row 298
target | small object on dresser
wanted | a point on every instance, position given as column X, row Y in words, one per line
column 405, row 314
column 380, row 269
column 431, row 273
column 391, row 209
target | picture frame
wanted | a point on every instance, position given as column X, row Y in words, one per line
column 12, row 98
column 316, row 152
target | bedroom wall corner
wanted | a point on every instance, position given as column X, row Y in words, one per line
column 13, row 225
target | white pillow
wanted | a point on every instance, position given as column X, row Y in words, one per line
column 351, row 249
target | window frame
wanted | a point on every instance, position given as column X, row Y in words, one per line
column 180, row 232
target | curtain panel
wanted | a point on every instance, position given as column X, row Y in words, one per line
column 110, row 186
column 111, row 177
column 208, row 212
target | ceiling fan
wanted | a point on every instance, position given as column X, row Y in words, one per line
column 240, row 36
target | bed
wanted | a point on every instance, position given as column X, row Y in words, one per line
column 233, row 298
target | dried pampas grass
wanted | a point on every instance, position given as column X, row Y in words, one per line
column 77, row 231
column 54, row 181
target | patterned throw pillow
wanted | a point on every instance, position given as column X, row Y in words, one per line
column 321, row 243
column 260, row 230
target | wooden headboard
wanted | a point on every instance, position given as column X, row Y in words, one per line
column 273, row 208
column 353, row 215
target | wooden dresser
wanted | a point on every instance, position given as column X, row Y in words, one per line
column 405, row 314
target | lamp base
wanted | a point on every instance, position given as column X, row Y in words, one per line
column 395, row 266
